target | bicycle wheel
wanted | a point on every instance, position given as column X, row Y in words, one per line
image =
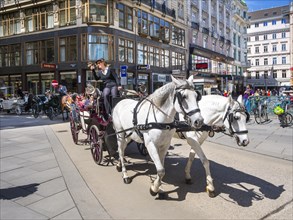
column 95, row 144
column 50, row 113
column 74, row 130
column 35, row 110
column 257, row 117
column 264, row 115
column 288, row 118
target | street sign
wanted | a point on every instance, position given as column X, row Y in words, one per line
column 123, row 74
column 54, row 83
column 143, row 67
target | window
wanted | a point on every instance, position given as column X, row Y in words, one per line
column 10, row 55
column 125, row 17
column 95, row 46
column 283, row 60
column 154, row 26
column 164, row 31
column 283, row 47
column 275, row 74
column 274, row 36
column 178, row 36
column 265, row 75
column 178, row 61
column 126, row 50
column 256, row 25
column 10, row 24
column 39, row 51
column 249, row 50
column 265, row 61
column 265, row 49
column 284, row 75
column 283, row 21
column 142, row 54
column 265, row 23
column 274, row 60
column 274, row 47
column 143, row 27
column 283, row 34
column 98, row 11
column 257, row 62
column 256, row 49
column 67, row 12
column 257, row 75
column 39, row 18
column 274, row 22
column 257, row 38
column 265, row 37
column 67, row 49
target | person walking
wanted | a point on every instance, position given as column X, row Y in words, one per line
column 110, row 81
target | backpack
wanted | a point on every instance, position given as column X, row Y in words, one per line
column 278, row 110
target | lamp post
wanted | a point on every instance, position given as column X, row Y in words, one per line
column 135, row 51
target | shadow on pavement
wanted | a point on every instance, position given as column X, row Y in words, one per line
column 18, row 191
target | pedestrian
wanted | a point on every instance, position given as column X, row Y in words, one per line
column 110, row 81
column 247, row 93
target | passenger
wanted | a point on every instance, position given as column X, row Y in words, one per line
column 111, row 83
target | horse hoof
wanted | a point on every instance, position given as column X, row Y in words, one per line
column 162, row 196
column 188, row 181
column 212, row 194
column 119, row 169
column 152, row 192
column 127, row 180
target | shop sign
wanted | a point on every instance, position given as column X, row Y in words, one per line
column 161, row 78
column 143, row 67
column 48, row 65
column 200, row 66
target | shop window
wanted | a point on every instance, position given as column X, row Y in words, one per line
column 10, row 55
column 33, row 83
column 69, row 79
column 46, row 82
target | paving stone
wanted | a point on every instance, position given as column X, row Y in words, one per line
column 38, row 177
column 12, row 210
column 54, row 205
column 51, row 187
column 31, row 198
column 17, row 173
column 44, row 165
column 70, row 214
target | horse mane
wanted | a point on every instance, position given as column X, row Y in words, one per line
column 161, row 95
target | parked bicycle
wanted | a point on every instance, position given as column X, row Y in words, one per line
column 260, row 109
column 281, row 109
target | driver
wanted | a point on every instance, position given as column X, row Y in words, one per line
column 111, row 83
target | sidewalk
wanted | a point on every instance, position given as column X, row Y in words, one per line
column 40, row 181
column 268, row 139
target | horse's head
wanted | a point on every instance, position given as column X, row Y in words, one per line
column 235, row 120
column 66, row 102
column 186, row 101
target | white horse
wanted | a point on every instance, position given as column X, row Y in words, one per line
column 217, row 111
column 151, row 121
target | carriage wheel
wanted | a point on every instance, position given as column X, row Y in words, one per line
column 35, row 110
column 142, row 149
column 50, row 113
column 74, row 130
column 95, row 144
column 18, row 110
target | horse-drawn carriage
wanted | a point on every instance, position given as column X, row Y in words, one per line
column 151, row 121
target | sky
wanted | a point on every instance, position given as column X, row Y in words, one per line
column 254, row 5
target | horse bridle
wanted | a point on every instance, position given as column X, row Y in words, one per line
column 178, row 95
column 230, row 117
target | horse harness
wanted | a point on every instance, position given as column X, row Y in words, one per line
column 230, row 116
column 162, row 126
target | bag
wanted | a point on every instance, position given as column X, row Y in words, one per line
column 278, row 110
